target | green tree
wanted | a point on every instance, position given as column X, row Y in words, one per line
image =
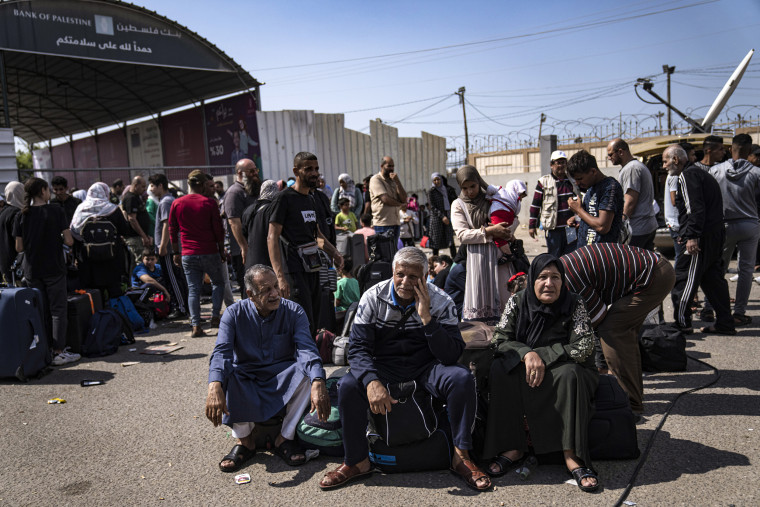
column 24, row 160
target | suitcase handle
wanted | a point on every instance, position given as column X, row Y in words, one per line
column 85, row 293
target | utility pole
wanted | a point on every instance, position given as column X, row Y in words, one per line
column 668, row 71
column 460, row 92
column 541, row 121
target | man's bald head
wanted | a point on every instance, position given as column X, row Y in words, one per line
column 138, row 185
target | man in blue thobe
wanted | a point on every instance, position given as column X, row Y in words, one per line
column 264, row 360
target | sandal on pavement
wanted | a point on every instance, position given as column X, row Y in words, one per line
column 287, row 450
column 342, row 476
column 504, row 464
column 239, row 455
column 581, row 473
column 742, row 320
column 715, row 330
column 471, row 474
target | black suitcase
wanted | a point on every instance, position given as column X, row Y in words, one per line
column 382, row 246
column 357, row 249
column 612, row 430
column 81, row 308
column 327, row 318
column 372, row 273
column 23, row 340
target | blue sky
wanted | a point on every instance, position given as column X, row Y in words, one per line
column 575, row 61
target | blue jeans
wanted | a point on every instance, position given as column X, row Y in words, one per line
column 195, row 266
column 395, row 228
column 679, row 247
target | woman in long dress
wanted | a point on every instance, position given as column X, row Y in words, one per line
column 486, row 285
column 440, row 232
column 543, row 375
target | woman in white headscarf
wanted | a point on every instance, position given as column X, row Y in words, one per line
column 14, row 199
column 104, row 275
column 348, row 190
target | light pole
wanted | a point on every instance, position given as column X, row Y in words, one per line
column 668, row 71
column 460, row 92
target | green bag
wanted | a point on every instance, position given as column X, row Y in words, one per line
column 327, row 436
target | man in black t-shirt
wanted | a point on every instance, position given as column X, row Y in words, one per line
column 134, row 208
column 63, row 198
column 294, row 219
column 236, row 200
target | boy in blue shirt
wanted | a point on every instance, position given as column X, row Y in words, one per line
column 148, row 273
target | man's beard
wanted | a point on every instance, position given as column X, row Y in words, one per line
column 252, row 186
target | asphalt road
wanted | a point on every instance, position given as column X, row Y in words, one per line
column 142, row 439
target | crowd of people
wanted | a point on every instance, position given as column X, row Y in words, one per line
column 574, row 313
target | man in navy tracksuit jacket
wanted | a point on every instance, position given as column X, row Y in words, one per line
column 701, row 229
column 405, row 329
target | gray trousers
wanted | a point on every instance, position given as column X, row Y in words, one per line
column 744, row 235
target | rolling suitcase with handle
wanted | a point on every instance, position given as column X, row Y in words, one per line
column 23, row 340
column 81, row 307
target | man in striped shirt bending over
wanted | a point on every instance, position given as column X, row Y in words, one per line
column 633, row 281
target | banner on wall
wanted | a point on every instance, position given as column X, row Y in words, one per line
column 144, row 141
column 232, row 132
column 182, row 134
column 112, row 149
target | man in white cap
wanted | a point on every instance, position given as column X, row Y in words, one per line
column 550, row 209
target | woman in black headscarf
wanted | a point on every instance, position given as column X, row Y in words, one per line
column 543, row 374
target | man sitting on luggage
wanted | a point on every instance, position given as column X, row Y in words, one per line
column 405, row 329
column 264, row 361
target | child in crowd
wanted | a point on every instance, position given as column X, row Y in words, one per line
column 148, row 273
column 345, row 220
column 432, row 260
column 348, row 287
column 408, row 218
column 505, row 206
column 517, row 282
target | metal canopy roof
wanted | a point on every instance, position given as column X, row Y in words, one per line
column 77, row 75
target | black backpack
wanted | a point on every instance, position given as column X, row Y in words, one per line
column 99, row 238
column 108, row 330
column 382, row 246
column 373, row 272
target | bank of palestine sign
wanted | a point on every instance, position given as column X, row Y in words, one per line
column 102, row 31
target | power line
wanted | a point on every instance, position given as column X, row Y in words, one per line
column 498, row 39
column 394, row 105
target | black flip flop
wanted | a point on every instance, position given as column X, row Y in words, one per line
column 287, row 450
column 581, row 473
column 240, row 455
column 505, row 464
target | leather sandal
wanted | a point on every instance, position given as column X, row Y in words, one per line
column 239, row 455
column 504, row 465
column 287, row 450
column 471, row 474
column 581, row 473
column 342, row 476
